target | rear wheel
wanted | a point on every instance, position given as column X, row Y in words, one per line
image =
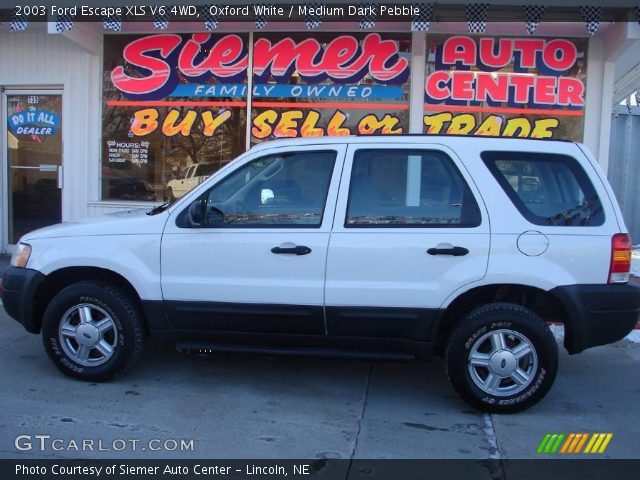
column 501, row 358
column 169, row 195
column 92, row 331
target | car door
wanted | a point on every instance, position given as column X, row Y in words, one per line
column 249, row 253
column 410, row 229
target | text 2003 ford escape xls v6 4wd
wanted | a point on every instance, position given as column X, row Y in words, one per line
column 400, row 245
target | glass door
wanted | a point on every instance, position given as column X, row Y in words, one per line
column 32, row 162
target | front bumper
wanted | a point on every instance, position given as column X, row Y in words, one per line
column 19, row 296
column 598, row 314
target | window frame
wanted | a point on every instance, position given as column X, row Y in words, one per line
column 418, row 150
column 580, row 176
column 180, row 222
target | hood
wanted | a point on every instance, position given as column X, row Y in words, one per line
column 129, row 222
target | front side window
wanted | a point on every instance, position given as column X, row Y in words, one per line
column 280, row 190
column 408, row 188
column 547, row 189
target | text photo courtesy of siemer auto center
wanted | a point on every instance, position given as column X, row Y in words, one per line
column 110, row 107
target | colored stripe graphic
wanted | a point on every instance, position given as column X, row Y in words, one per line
column 550, row 443
column 573, row 443
column 598, row 442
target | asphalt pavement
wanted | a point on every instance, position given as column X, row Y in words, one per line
column 256, row 406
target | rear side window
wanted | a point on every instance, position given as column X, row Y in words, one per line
column 408, row 188
column 547, row 189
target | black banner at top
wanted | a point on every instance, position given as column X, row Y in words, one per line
column 391, row 11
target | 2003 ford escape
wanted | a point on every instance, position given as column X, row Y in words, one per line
column 400, row 246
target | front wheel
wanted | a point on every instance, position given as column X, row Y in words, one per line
column 501, row 358
column 92, row 331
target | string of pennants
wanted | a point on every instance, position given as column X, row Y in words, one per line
column 476, row 15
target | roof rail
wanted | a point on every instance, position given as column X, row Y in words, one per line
column 460, row 136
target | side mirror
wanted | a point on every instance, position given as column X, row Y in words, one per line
column 266, row 196
column 195, row 213
column 214, row 216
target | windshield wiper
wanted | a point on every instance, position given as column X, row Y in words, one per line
column 160, row 208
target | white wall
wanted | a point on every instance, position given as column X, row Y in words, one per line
column 34, row 59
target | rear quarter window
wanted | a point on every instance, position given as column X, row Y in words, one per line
column 547, row 189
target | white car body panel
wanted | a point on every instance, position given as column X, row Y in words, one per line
column 390, row 266
column 236, row 264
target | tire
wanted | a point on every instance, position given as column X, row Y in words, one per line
column 92, row 313
column 499, row 380
column 169, row 195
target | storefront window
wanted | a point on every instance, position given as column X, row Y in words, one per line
column 171, row 102
column 505, row 87
column 330, row 84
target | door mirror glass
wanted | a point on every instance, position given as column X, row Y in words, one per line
column 195, row 213
column 266, row 196
column 214, row 216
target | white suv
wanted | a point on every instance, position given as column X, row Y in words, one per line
column 387, row 247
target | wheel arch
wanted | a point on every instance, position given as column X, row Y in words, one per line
column 59, row 279
column 542, row 302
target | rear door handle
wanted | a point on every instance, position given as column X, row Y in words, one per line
column 297, row 250
column 454, row 251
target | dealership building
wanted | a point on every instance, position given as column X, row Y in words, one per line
column 102, row 113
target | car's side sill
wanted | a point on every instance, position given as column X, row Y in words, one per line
column 204, row 348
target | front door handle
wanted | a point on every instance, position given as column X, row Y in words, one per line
column 296, row 250
column 454, row 251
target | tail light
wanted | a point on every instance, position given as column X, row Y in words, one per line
column 620, row 258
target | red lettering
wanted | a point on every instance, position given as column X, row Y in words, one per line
column 277, row 59
column 529, row 47
column 224, row 60
column 495, row 87
column 462, row 86
column 522, row 83
column 570, row 91
column 344, row 60
column 338, row 52
column 502, row 59
column 545, row 90
column 310, row 60
column 433, row 88
column 381, row 52
column 459, row 49
column 567, row 51
column 158, row 70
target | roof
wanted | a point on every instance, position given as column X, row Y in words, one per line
column 409, row 138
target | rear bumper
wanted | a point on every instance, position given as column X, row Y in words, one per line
column 598, row 314
column 19, row 293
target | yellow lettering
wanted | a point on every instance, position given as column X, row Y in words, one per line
column 462, row 124
column 169, row 127
column 542, row 128
column 144, row 122
column 434, row 123
column 263, row 124
column 211, row 124
column 490, row 127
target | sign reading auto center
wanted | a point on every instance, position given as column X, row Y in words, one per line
column 508, row 87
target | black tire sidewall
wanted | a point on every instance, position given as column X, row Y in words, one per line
column 117, row 305
column 497, row 317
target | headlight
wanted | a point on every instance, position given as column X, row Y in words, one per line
column 21, row 256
